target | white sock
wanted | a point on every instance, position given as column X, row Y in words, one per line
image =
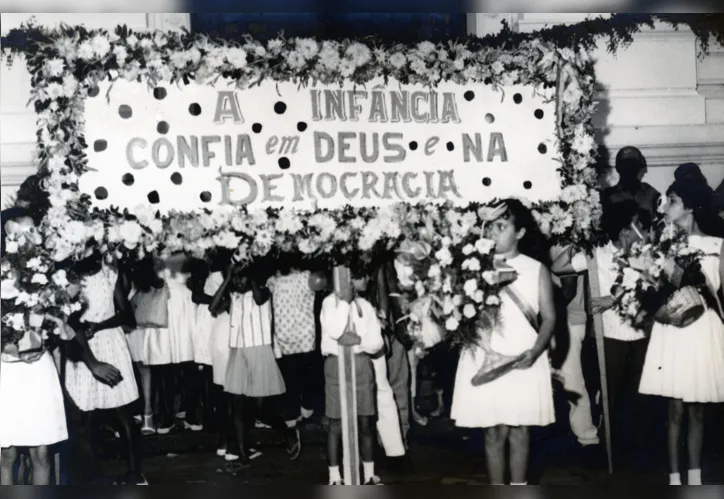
column 523, row 483
column 694, row 477
column 334, row 475
column 674, row 479
column 368, row 469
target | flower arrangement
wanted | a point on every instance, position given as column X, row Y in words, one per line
column 642, row 276
column 35, row 296
column 67, row 64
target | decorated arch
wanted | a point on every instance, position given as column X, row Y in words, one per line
column 337, row 150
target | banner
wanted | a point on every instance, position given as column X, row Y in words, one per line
column 185, row 147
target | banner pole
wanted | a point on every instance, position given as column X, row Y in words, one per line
column 348, row 395
column 595, row 292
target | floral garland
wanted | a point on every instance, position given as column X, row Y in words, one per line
column 67, row 64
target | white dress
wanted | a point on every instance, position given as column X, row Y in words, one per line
column 688, row 363
column 31, row 400
column 205, row 322
column 108, row 346
column 521, row 397
column 175, row 344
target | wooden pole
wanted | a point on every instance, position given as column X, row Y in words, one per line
column 348, row 396
column 595, row 292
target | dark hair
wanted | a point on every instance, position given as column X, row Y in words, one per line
column 696, row 194
column 617, row 216
column 143, row 274
column 533, row 243
column 32, row 192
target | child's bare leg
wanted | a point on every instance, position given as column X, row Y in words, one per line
column 495, row 439
column 40, row 458
column 519, row 451
column 367, row 446
column 7, row 462
column 676, row 414
column 334, row 439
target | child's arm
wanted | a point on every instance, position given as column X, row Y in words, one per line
column 372, row 341
column 334, row 317
column 215, row 308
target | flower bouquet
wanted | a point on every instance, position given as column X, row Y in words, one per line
column 35, row 297
column 644, row 282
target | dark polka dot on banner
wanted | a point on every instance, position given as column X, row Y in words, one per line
column 280, row 107
column 128, row 179
column 487, row 181
column 159, row 93
column 153, row 197
column 542, row 148
column 469, row 95
column 205, row 196
column 284, row 163
column 517, row 98
column 176, row 178
column 413, row 145
column 101, row 193
column 256, row 128
column 125, row 111
column 450, row 146
column 489, row 118
column 162, row 127
column 194, row 109
column 539, row 114
column 93, row 91
column 527, row 184
column 100, row 145
column 301, row 126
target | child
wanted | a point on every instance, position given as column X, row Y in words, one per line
column 252, row 371
column 32, row 412
column 509, row 405
column 350, row 320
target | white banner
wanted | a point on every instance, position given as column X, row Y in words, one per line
column 185, row 147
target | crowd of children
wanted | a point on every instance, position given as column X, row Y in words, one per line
column 241, row 344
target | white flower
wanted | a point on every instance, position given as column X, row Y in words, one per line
column 101, row 45
column 34, row 263
column 419, row 289
column 425, row 48
column 70, row 85
column 308, row 47
column 484, row 245
column 478, row 296
column 489, row 277
column 398, row 60
column 492, row 300
column 295, row 59
column 447, row 305
column 469, row 311
column 54, row 90
column 132, row 40
column 39, row 279
column 434, row 271
column 146, row 43
column 259, row 51
column 458, row 300
column 470, row 286
column 359, row 53
column 60, row 278
column 447, row 284
column 131, row 233
column 471, row 264
column 54, row 67
column 444, row 257
column 8, row 289
column 630, row 278
column 85, row 51
column 236, row 57
column 11, row 247
column 468, row 249
column 497, row 67
column 452, row 324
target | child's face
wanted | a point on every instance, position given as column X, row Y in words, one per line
column 503, row 232
column 360, row 284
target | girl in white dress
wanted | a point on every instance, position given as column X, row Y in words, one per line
column 171, row 350
column 104, row 384
column 211, row 349
column 509, row 405
column 32, row 412
column 686, row 364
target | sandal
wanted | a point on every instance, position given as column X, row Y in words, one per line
column 148, row 428
column 295, row 450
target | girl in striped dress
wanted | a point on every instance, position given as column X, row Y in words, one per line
column 104, row 384
column 252, row 373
